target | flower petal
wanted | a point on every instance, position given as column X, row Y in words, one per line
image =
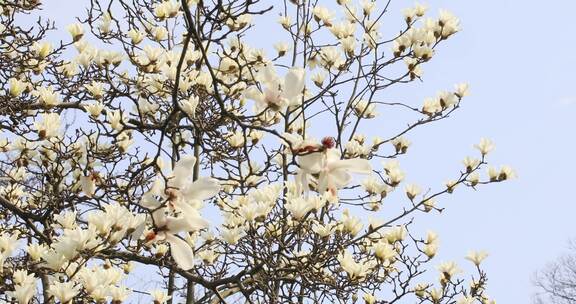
column 294, row 83
column 201, row 189
column 181, row 252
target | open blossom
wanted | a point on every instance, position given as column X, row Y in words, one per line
column 278, row 93
column 365, row 109
column 96, row 89
column 231, row 236
column 64, row 292
column 384, row 251
column 394, row 172
column 236, row 139
column 334, row 172
column 462, row 90
column 351, row 224
column 76, row 31
column 16, row 86
column 25, row 287
column 413, row 190
column 448, row 270
column 355, row 270
column 299, row 207
column 281, row 48
column 49, row 126
column 485, row 146
column 116, row 119
column 182, row 214
column 136, row 36
column 159, row 296
column 42, row 50
column 8, row 244
column 189, row 105
column 477, row 257
column 167, row 9
column 47, row 96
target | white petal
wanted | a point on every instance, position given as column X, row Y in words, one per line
column 201, row 189
column 311, row 162
column 182, row 170
column 294, row 83
column 190, row 219
column 181, row 252
column 356, row 165
column 254, row 94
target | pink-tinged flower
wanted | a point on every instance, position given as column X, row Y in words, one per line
column 334, row 172
column 278, row 93
column 180, row 214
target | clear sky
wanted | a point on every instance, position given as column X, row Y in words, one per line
column 519, row 57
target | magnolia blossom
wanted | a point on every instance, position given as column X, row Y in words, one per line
column 47, row 96
column 76, row 31
column 16, row 86
column 278, row 93
column 181, row 213
column 25, row 286
column 355, row 270
column 334, row 172
column 49, row 126
column 64, row 292
column 8, row 244
column 477, row 257
column 485, row 146
column 159, row 296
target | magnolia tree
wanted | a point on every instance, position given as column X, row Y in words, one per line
column 166, row 142
column 556, row 283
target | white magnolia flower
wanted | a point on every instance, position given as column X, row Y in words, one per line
column 355, row 270
column 159, row 296
column 47, row 96
column 236, row 139
column 365, row 109
column 49, row 126
column 23, row 293
column 299, row 207
column 448, row 270
column 88, row 184
column 281, row 48
column 351, row 224
column 136, row 36
column 231, row 235
column 384, row 251
column 334, row 172
column 16, row 86
column 181, row 214
column 96, row 89
column 189, row 106
column 466, row 300
column 36, row 251
column 413, row 190
column 116, row 119
column 8, row 243
column 42, row 50
column 462, row 90
column 64, row 292
column 485, row 146
column 278, row 93
column 119, row 293
column 76, row 31
column 477, row 257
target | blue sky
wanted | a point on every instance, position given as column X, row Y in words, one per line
column 518, row 57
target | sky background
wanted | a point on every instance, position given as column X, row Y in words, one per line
column 519, row 58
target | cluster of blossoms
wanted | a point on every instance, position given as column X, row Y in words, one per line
column 157, row 141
